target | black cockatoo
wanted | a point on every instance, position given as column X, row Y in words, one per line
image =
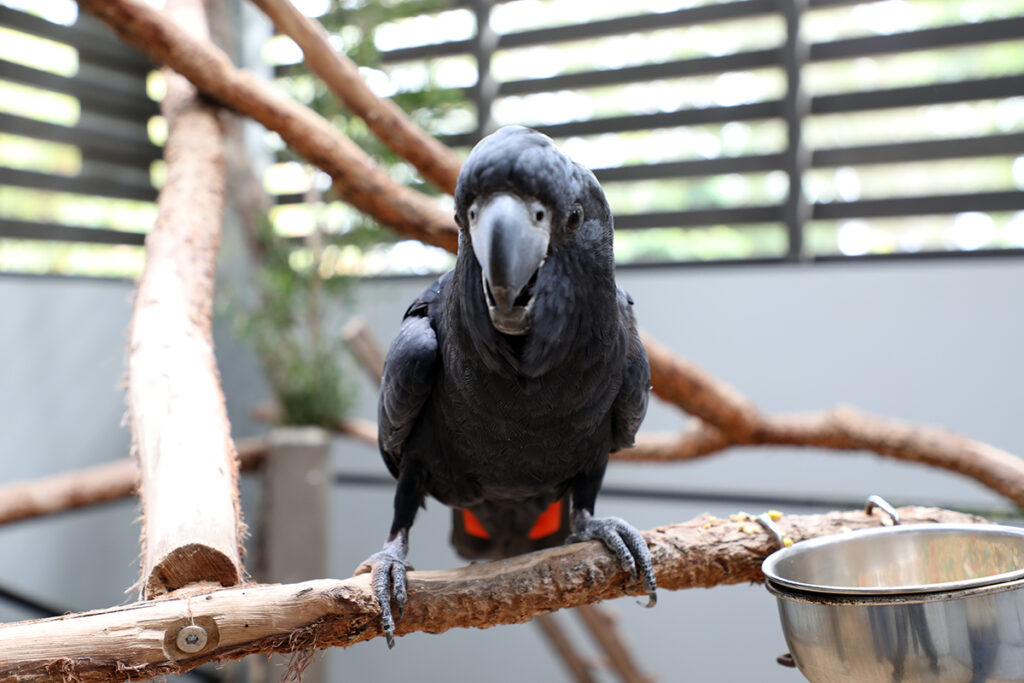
column 514, row 375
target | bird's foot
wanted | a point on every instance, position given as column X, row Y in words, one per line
column 624, row 541
column 387, row 569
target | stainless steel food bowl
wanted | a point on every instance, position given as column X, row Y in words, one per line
column 929, row 602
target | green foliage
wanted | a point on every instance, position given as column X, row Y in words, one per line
column 305, row 367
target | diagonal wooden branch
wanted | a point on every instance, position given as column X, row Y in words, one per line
column 138, row 641
column 192, row 526
column 727, row 418
column 434, row 160
column 576, row 665
column 357, row 179
column 603, row 628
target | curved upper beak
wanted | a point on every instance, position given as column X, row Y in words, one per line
column 510, row 244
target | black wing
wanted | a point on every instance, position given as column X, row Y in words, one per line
column 630, row 405
column 408, row 376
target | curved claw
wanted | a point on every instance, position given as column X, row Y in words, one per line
column 626, row 544
column 387, row 569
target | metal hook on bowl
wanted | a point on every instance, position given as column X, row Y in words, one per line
column 883, row 505
column 772, row 528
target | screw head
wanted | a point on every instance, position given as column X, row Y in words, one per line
column 191, row 639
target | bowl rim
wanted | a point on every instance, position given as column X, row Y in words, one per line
column 770, row 565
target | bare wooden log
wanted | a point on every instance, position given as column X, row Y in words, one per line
column 357, row 179
column 576, row 665
column 605, row 632
column 140, row 641
column 679, row 381
column 847, row 429
column 94, row 485
column 68, row 491
column 365, row 347
column 360, row 429
column 192, row 524
column 433, row 159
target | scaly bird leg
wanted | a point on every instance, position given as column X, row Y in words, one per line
column 387, row 569
column 623, row 540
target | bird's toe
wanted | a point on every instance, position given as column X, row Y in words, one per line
column 627, row 544
column 388, row 580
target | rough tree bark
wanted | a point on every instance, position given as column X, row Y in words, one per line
column 189, row 473
column 139, row 641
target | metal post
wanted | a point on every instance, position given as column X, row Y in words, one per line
column 296, row 494
column 484, row 45
column 796, row 105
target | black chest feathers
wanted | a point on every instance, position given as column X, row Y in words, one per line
column 500, row 437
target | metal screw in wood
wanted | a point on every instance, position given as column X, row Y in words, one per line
column 191, row 639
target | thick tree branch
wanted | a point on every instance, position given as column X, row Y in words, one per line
column 679, row 381
column 434, row 160
column 138, row 641
column 192, row 524
column 357, row 179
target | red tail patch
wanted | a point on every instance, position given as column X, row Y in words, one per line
column 473, row 525
column 548, row 523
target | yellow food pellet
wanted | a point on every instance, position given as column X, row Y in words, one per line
column 750, row 528
column 787, row 541
column 707, row 525
column 739, row 517
column 774, row 515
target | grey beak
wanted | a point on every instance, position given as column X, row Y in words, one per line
column 510, row 244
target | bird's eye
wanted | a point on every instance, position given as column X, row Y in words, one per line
column 539, row 215
column 458, row 221
column 575, row 216
column 472, row 215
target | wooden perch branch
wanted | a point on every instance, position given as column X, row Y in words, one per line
column 357, row 179
column 360, row 340
column 138, row 641
column 434, row 160
column 730, row 419
column 189, row 474
column 94, row 485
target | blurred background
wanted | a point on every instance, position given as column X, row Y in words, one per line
column 819, row 201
